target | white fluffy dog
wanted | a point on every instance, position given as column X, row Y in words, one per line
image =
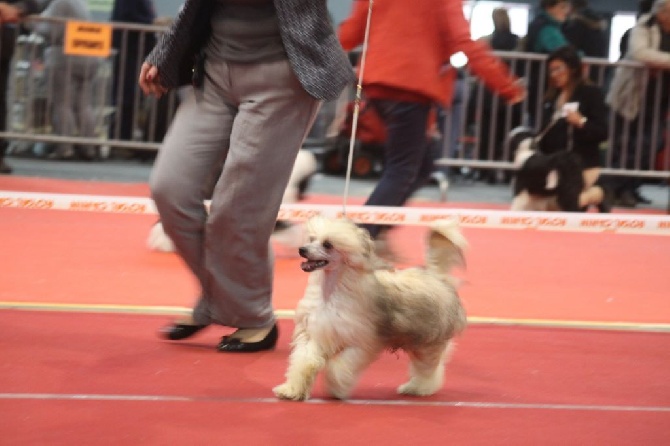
column 355, row 307
column 305, row 166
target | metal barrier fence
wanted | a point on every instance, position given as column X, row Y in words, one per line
column 473, row 130
column 124, row 117
column 476, row 127
column 44, row 84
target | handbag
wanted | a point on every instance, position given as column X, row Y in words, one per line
column 192, row 64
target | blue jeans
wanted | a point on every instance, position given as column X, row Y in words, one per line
column 408, row 162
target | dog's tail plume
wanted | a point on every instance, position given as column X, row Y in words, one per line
column 446, row 245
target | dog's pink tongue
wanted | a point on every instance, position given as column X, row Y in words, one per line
column 307, row 267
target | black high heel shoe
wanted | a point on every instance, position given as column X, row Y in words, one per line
column 177, row 332
column 230, row 344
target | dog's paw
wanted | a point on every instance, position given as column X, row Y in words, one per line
column 288, row 392
column 413, row 388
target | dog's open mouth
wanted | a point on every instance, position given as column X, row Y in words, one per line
column 313, row 265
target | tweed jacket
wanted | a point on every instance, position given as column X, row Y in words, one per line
column 313, row 50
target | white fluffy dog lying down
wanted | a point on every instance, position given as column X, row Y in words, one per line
column 305, row 166
column 355, row 307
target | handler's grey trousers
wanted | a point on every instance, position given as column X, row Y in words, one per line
column 239, row 134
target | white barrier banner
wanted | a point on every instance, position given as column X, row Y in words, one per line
column 474, row 218
column 71, row 202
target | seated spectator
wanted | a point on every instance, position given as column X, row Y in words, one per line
column 575, row 120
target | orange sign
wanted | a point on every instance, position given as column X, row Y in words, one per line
column 88, row 39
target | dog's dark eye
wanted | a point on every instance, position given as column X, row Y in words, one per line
column 327, row 245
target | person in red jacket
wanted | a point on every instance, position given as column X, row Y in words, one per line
column 405, row 76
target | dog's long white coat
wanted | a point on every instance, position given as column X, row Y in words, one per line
column 355, row 307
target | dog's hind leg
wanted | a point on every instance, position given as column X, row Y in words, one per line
column 343, row 370
column 426, row 371
column 304, row 363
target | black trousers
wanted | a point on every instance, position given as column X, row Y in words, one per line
column 5, row 66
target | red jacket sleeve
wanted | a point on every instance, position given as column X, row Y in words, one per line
column 481, row 61
column 352, row 31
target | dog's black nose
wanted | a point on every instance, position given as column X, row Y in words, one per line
column 302, row 251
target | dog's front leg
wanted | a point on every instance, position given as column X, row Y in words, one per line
column 305, row 361
column 343, row 370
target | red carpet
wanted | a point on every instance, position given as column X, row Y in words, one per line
column 106, row 379
column 76, row 378
column 90, row 258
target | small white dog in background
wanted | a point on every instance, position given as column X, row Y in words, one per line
column 158, row 240
column 287, row 234
column 355, row 306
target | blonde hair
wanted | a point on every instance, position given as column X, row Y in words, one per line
column 501, row 20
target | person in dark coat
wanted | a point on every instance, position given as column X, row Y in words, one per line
column 544, row 35
column 586, row 30
column 133, row 47
column 496, row 116
column 11, row 12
